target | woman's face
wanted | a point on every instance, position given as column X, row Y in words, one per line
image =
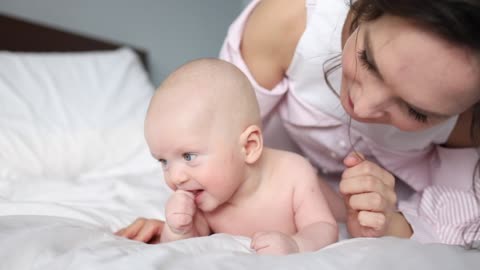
column 398, row 74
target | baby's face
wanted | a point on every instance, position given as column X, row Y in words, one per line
column 195, row 155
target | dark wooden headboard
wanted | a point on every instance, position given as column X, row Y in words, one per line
column 27, row 36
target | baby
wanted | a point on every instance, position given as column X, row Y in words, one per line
column 203, row 125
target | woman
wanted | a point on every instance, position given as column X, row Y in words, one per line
column 408, row 98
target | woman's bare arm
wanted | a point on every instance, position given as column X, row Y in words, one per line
column 271, row 35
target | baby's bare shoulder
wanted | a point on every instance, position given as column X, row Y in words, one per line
column 289, row 165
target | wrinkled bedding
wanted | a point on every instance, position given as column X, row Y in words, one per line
column 43, row 242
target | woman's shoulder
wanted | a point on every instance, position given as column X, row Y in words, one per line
column 270, row 37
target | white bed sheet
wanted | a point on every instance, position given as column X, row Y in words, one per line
column 108, row 202
column 40, row 242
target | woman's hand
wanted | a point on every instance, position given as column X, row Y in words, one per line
column 369, row 196
column 144, row 230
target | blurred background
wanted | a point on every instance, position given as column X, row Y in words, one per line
column 170, row 31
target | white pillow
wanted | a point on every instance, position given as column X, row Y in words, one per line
column 72, row 114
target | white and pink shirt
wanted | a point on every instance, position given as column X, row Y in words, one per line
column 302, row 114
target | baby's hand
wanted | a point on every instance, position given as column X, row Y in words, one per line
column 179, row 212
column 273, row 243
column 144, row 230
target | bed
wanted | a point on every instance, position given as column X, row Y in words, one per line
column 74, row 167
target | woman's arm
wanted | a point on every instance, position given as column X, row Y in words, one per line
column 271, row 35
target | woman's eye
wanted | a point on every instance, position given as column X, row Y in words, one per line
column 362, row 55
column 189, row 156
column 420, row 117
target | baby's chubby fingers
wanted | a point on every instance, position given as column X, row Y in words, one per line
column 179, row 211
column 131, row 230
column 150, row 231
column 181, row 202
column 273, row 243
column 144, row 230
column 256, row 242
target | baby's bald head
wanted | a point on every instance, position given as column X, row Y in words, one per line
column 208, row 91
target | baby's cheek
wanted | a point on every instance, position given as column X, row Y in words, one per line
column 223, row 187
column 170, row 184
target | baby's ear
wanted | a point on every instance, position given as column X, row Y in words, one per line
column 252, row 143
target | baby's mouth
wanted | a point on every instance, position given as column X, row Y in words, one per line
column 196, row 192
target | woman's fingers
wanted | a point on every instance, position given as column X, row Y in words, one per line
column 369, row 169
column 369, row 195
column 353, row 159
column 374, row 220
column 366, row 184
column 361, row 184
column 369, row 202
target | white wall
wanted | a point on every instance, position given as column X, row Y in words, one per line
column 172, row 31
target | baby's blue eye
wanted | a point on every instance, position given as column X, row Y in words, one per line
column 163, row 162
column 189, row 156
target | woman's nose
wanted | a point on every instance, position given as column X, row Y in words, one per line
column 367, row 110
column 370, row 104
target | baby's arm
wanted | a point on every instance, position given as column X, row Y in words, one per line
column 183, row 220
column 315, row 223
column 316, row 226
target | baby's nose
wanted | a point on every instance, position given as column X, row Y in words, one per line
column 178, row 177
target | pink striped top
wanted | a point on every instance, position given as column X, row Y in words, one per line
column 302, row 114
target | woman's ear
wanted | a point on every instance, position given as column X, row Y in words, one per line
column 252, row 143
